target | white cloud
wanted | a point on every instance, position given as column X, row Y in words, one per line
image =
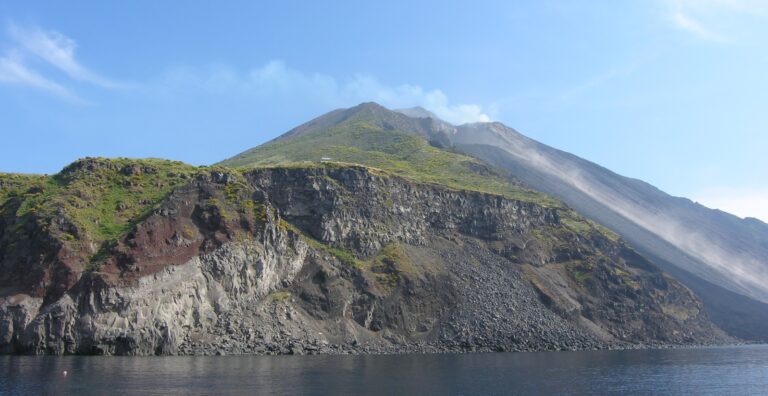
column 57, row 50
column 33, row 49
column 685, row 22
column 605, row 77
column 275, row 79
column 12, row 71
column 40, row 47
column 711, row 19
column 742, row 202
column 753, row 7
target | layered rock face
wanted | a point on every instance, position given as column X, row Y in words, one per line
column 336, row 259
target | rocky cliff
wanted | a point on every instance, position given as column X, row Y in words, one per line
column 720, row 257
column 326, row 259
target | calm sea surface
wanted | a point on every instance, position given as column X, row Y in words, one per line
column 722, row 370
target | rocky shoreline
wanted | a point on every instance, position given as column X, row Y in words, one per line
column 298, row 347
column 339, row 260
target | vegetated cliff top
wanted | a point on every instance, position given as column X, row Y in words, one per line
column 373, row 136
column 102, row 198
column 94, row 202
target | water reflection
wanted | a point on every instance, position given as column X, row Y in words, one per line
column 731, row 370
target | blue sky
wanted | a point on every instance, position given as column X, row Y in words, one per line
column 673, row 92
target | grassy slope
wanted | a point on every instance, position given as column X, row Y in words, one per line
column 99, row 196
column 14, row 183
column 104, row 201
column 360, row 141
column 394, row 151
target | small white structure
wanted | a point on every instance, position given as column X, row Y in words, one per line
column 323, row 159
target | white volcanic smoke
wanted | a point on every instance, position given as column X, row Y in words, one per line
column 749, row 274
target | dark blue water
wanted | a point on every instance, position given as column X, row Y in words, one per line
column 722, row 370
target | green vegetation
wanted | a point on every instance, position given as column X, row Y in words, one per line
column 581, row 271
column 343, row 255
column 579, row 225
column 579, row 276
column 258, row 209
column 626, row 277
column 102, row 198
column 385, row 268
column 393, row 256
column 388, row 266
column 280, row 296
column 362, row 142
column 105, row 251
column 15, row 184
column 382, row 142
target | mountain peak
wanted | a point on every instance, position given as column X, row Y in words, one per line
column 375, row 115
column 417, row 112
column 367, row 107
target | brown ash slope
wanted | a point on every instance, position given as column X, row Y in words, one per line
column 328, row 258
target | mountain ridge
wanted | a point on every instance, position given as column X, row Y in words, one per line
column 540, row 166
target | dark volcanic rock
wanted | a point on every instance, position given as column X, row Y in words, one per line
column 338, row 260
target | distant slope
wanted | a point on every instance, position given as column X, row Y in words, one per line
column 717, row 246
column 723, row 258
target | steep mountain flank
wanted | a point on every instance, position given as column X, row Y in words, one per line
column 722, row 258
column 719, row 247
column 328, row 258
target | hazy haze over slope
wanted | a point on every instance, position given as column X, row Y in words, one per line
column 733, row 249
column 720, row 256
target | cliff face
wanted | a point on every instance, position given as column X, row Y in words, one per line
column 331, row 259
column 722, row 258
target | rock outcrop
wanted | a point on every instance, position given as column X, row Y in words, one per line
column 333, row 259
